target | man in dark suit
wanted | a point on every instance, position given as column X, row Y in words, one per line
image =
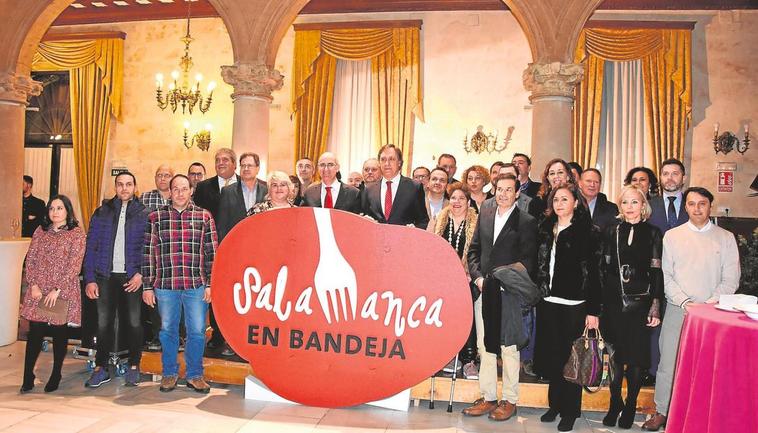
column 395, row 199
column 449, row 163
column 208, row 196
column 330, row 192
column 668, row 212
column 668, row 208
column 524, row 165
column 33, row 211
column 504, row 235
column 237, row 198
column 208, row 192
column 603, row 212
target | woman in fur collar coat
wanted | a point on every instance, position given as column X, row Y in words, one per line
column 456, row 223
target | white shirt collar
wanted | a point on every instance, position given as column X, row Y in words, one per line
column 705, row 228
column 507, row 213
column 395, row 180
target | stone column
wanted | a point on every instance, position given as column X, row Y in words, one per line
column 253, row 85
column 552, row 86
column 14, row 93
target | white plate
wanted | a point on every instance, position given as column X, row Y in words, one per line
column 728, row 308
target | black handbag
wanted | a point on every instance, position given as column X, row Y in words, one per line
column 630, row 301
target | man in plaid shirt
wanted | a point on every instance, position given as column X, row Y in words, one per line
column 180, row 245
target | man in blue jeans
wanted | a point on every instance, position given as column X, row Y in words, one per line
column 180, row 245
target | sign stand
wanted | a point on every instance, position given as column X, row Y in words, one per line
column 256, row 390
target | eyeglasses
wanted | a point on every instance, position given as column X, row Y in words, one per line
column 247, row 166
column 163, row 175
column 329, row 165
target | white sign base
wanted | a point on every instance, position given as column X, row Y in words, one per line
column 256, row 390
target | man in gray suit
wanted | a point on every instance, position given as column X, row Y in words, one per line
column 522, row 201
column 330, row 192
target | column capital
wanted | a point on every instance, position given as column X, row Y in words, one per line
column 18, row 88
column 252, row 80
column 552, row 79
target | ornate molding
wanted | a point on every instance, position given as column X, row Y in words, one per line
column 252, row 80
column 552, row 79
column 18, row 88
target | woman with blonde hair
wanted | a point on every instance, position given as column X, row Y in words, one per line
column 456, row 223
column 632, row 295
column 280, row 188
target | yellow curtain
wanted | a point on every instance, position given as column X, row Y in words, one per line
column 396, row 86
column 666, row 63
column 96, row 70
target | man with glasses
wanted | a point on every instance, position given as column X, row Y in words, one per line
column 330, row 192
column 196, row 174
column 395, row 199
column 305, row 172
column 161, row 195
column 153, row 200
column 421, row 175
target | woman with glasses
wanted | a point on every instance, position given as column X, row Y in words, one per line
column 632, row 266
column 279, row 190
column 52, row 275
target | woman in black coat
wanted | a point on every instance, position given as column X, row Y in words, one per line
column 568, row 261
column 632, row 262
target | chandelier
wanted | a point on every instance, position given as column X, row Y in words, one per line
column 180, row 92
column 481, row 142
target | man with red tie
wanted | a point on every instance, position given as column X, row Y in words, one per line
column 395, row 199
column 330, row 192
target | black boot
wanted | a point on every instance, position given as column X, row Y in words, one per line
column 617, row 403
column 33, row 347
column 633, row 385
column 28, row 383
column 53, row 382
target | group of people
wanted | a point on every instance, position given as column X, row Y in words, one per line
column 546, row 260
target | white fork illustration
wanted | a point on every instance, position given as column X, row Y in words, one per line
column 334, row 276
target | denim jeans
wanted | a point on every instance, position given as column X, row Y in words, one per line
column 170, row 304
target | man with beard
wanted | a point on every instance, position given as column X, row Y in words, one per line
column 668, row 212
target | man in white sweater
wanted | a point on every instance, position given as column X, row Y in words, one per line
column 700, row 263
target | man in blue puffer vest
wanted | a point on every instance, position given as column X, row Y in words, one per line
column 112, row 276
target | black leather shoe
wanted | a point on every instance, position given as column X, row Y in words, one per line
column 550, row 415
column 566, row 424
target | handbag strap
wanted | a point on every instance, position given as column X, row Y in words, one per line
column 605, row 377
column 618, row 260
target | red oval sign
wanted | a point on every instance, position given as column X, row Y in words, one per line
column 333, row 310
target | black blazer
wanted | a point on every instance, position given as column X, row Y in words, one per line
column 532, row 188
column 658, row 217
column 578, row 257
column 517, row 242
column 605, row 212
column 347, row 200
column 231, row 207
column 207, row 195
column 408, row 207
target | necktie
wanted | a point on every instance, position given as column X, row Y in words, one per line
column 227, row 181
column 388, row 201
column 672, row 213
column 328, row 203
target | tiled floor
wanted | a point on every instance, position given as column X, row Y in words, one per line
column 114, row 408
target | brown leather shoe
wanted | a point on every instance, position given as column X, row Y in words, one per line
column 480, row 407
column 504, row 411
column 168, row 383
column 655, row 422
column 199, row 385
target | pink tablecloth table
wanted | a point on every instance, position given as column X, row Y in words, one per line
column 716, row 380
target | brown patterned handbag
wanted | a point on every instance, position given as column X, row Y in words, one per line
column 591, row 362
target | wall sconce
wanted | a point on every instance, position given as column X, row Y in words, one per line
column 727, row 141
column 201, row 138
column 481, row 142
